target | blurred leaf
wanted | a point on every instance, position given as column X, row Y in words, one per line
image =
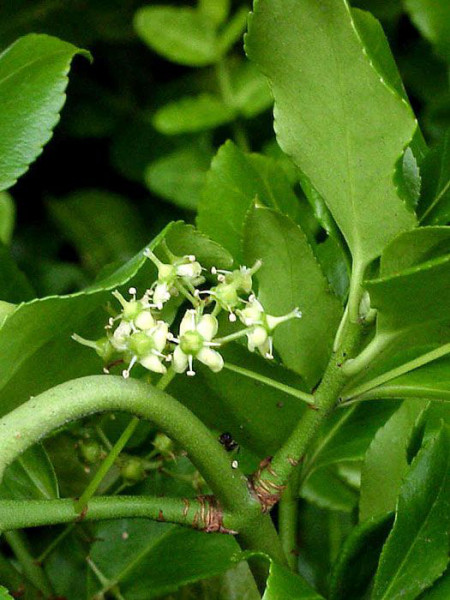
column 251, row 94
column 216, row 10
column 233, row 182
column 30, row 477
column 33, row 79
column 7, row 218
column 287, row 259
column 358, row 558
column 14, row 286
column 232, row 31
column 434, row 207
column 432, row 18
column 388, row 447
column 147, row 559
column 326, row 489
column 180, row 176
column 416, row 551
column 67, row 569
column 336, row 144
column 102, row 226
column 182, row 35
column 192, row 114
column 4, row 594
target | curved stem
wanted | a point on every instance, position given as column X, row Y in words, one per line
column 287, row 389
column 356, row 290
column 363, row 361
column 200, row 514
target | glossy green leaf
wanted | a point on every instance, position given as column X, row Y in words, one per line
column 30, row 477
column 345, row 133
column 180, row 176
column 232, row 184
column 192, row 114
column 358, row 558
column 432, row 18
column 33, row 79
column 434, row 207
column 305, row 344
column 102, row 226
column 148, row 559
column 7, row 218
column 388, row 447
column 182, row 35
column 416, row 551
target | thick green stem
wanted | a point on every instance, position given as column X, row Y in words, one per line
column 201, row 513
column 288, row 521
column 271, row 479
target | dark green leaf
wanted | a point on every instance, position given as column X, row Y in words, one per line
column 33, row 79
column 14, row 286
column 432, row 18
column 416, row 551
column 346, row 134
column 358, row 558
column 282, row 584
column 183, row 35
column 326, row 489
column 287, row 259
column 30, row 477
column 434, row 207
column 387, row 448
column 192, row 114
column 440, row 590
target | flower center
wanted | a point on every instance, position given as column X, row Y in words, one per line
column 191, row 342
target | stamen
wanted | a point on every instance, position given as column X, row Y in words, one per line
column 106, row 370
column 213, row 271
column 269, row 354
column 232, row 317
column 191, row 371
column 133, row 292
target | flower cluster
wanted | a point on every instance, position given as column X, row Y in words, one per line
column 139, row 335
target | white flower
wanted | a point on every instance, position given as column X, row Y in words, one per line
column 121, row 335
column 146, row 348
column 161, row 294
column 196, row 341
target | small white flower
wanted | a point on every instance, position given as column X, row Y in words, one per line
column 146, row 348
column 121, row 336
column 196, row 341
column 161, row 294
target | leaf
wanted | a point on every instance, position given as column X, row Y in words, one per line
column 432, row 18
column 182, row 35
column 216, row 10
column 30, row 477
column 283, row 584
column 387, row 448
column 192, row 114
column 402, row 292
column 440, row 590
column 326, row 489
column 4, row 594
column 358, row 557
column 232, row 184
column 33, row 79
column 232, row 31
column 102, row 226
column 434, row 207
column 147, row 559
column 345, row 132
column 180, row 176
column 416, row 551
column 291, row 277
column 14, row 286
column 7, row 218
column 250, row 92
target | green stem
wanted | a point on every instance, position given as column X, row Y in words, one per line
column 372, row 351
column 287, row 389
column 356, row 291
column 288, row 521
column 270, row 481
column 16, row 514
column 420, row 361
column 31, row 569
column 116, row 450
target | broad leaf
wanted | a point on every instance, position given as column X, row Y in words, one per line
column 291, row 277
column 30, row 477
column 7, row 217
column 182, row 35
column 346, row 133
column 387, row 448
column 233, row 182
column 192, row 114
column 432, row 18
column 102, row 226
column 180, row 176
column 147, row 559
column 416, row 551
column 434, row 207
column 33, row 79
column 358, row 558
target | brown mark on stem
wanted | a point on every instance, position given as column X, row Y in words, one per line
column 82, row 514
column 186, row 507
column 209, row 518
column 268, row 492
column 161, row 516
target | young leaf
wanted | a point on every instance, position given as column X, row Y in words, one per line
column 432, row 18
column 182, row 35
column 192, row 114
column 345, row 133
column 290, row 276
column 358, row 558
column 33, row 79
column 416, row 551
column 434, row 207
column 388, row 447
column 31, row 476
column 233, row 182
column 146, row 559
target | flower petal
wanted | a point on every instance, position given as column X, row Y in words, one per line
column 207, row 327
column 211, row 358
column 188, row 322
column 180, row 360
column 153, row 363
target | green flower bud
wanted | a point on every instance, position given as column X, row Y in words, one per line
column 90, row 451
column 132, row 470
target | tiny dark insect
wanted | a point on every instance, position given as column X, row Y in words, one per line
column 227, row 441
